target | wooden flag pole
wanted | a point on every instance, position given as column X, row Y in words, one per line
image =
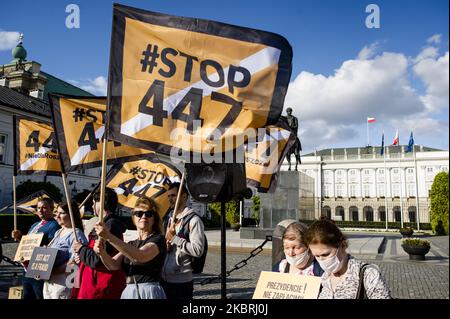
column 69, row 204
column 103, row 180
column 85, row 200
column 14, row 202
column 177, row 202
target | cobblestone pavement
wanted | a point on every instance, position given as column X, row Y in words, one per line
column 406, row 279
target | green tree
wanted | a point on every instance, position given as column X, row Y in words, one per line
column 439, row 204
column 231, row 211
column 28, row 187
column 256, row 207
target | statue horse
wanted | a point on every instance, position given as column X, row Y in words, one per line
column 295, row 149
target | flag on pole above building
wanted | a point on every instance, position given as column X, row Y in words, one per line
column 396, row 138
column 371, row 120
column 410, row 143
column 382, row 144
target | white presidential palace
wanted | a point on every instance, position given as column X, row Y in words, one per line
column 360, row 184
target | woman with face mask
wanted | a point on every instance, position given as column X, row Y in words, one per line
column 299, row 259
column 345, row 277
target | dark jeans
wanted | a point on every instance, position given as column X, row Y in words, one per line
column 32, row 288
column 178, row 291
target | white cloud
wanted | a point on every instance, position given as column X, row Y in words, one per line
column 332, row 109
column 434, row 73
column 435, row 39
column 426, row 53
column 368, row 51
column 8, row 39
column 98, row 86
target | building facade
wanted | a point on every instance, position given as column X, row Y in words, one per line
column 23, row 91
column 359, row 184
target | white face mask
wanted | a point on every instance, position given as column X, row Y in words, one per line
column 331, row 264
column 299, row 259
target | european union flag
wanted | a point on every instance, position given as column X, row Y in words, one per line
column 410, row 143
column 382, row 145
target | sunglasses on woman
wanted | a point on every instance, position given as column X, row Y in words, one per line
column 147, row 214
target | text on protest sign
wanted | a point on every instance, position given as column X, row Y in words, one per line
column 263, row 160
column 275, row 285
column 41, row 263
column 35, row 147
column 80, row 126
column 26, row 246
column 190, row 83
column 146, row 177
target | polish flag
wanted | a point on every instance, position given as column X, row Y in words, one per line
column 396, row 138
column 371, row 120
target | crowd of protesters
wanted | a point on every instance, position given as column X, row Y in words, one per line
column 158, row 264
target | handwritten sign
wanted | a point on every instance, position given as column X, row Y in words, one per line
column 26, row 246
column 41, row 263
column 274, row 285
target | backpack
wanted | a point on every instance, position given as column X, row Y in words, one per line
column 197, row 263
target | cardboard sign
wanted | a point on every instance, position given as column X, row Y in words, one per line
column 79, row 127
column 15, row 292
column 35, row 147
column 41, row 263
column 275, row 285
column 27, row 245
column 177, row 81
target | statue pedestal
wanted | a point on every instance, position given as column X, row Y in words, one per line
column 283, row 203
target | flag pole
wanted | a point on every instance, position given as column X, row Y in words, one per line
column 417, row 188
column 385, row 184
column 401, row 186
column 177, row 202
column 367, row 123
column 14, row 202
column 69, row 204
column 88, row 196
column 103, row 178
column 15, row 168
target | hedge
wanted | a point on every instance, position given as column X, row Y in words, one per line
column 375, row 225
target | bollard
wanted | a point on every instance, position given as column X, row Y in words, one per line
column 277, row 240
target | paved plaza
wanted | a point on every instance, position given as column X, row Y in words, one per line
column 407, row 279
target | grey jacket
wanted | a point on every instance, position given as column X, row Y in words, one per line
column 177, row 265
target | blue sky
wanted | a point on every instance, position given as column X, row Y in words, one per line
column 407, row 58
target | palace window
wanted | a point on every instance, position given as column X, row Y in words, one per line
column 366, row 190
column 2, row 148
column 352, row 190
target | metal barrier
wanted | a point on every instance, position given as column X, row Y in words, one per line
column 240, row 264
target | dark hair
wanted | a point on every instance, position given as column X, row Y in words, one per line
column 324, row 231
column 177, row 186
column 111, row 199
column 47, row 200
column 296, row 231
column 75, row 211
column 144, row 200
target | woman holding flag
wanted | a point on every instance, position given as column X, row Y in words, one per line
column 140, row 259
